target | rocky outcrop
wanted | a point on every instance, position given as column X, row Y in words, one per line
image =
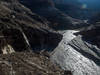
column 24, row 29
column 78, row 55
column 90, row 34
column 28, row 41
column 25, row 39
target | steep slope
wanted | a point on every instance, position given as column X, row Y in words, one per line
column 91, row 34
column 34, row 31
column 79, row 54
column 22, row 35
column 58, row 19
column 27, row 64
column 28, row 41
column 70, row 7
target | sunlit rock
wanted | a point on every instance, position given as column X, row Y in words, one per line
column 75, row 54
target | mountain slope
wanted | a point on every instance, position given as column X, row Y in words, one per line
column 80, row 54
column 23, row 36
column 32, row 28
column 58, row 19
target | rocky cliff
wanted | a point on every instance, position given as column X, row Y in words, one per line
column 36, row 39
column 21, row 33
column 17, row 20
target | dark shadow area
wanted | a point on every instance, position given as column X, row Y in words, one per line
column 57, row 19
column 42, row 39
column 92, row 35
column 15, row 38
column 39, row 39
column 68, row 72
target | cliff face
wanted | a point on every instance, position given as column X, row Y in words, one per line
column 91, row 34
column 21, row 33
column 17, row 20
column 28, row 41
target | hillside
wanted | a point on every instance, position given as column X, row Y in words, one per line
column 57, row 18
column 38, row 38
column 25, row 32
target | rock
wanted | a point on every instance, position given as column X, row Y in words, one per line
column 25, row 29
column 95, row 18
column 77, row 55
column 30, row 41
column 58, row 20
column 24, row 39
column 91, row 34
column 27, row 64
